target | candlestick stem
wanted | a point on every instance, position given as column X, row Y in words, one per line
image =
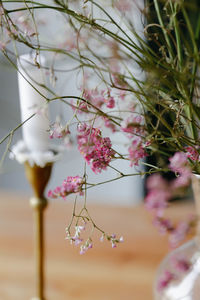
column 38, row 204
column 38, row 177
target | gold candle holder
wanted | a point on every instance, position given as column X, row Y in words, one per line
column 38, row 178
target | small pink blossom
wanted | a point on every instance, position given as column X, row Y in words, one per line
column 133, row 125
column 79, row 229
column 98, row 98
column 70, row 185
column 147, row 143
column 84, row 248
column 113, row 244
column 164, row 225
column 181, row 264
column 156, row 181
column 178, row 162
column 81, row 107
column 77, row 240
column 94, row 96
column 122, row 94
column 109, row 124
column 82, row 127
column 192, row 153
column 123, row 5
column 182, row 180
column 157, row 201
column 58, row 131
column 110, row 102
column 50, row 194
column 165, row 280
column 96, row 150
column 114, row 240
column 136, row 151
column 3, row 45
column 179, row 234
column 157, row 198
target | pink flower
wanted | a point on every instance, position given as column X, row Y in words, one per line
column 50, row 194
column 77, row 240
column 179, row 234
column 3, row 45
column 122, row 94
column 82, row 127
column 133, row 125
column 70, row 185
column 163, row 225
column 157, row 201
column 156, row 181
column 58, row 131
column 165, row 280
column 123, row 5
column 113, row 244
column 89, row 94
column 178, row 162
column 73, row 184
column 98, row 98
column 115, row 241
column 136, row 151
column 84, row 248
column 192, row 153
column 110, row 102
column 96, row 150
column 182, row 180
column 181, row 264
column 109, row 124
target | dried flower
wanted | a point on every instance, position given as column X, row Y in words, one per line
column 95, row 149
column 165, row 280
column 69, row 185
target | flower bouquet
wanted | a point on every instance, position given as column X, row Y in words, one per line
column 137, row 73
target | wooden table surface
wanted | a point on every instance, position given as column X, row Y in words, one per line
column 124, row 273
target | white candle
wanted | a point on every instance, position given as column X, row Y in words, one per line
column 35, row 131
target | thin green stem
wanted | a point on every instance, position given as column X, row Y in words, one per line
column 163, row 29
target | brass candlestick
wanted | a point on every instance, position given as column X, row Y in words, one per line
column 38, row 178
